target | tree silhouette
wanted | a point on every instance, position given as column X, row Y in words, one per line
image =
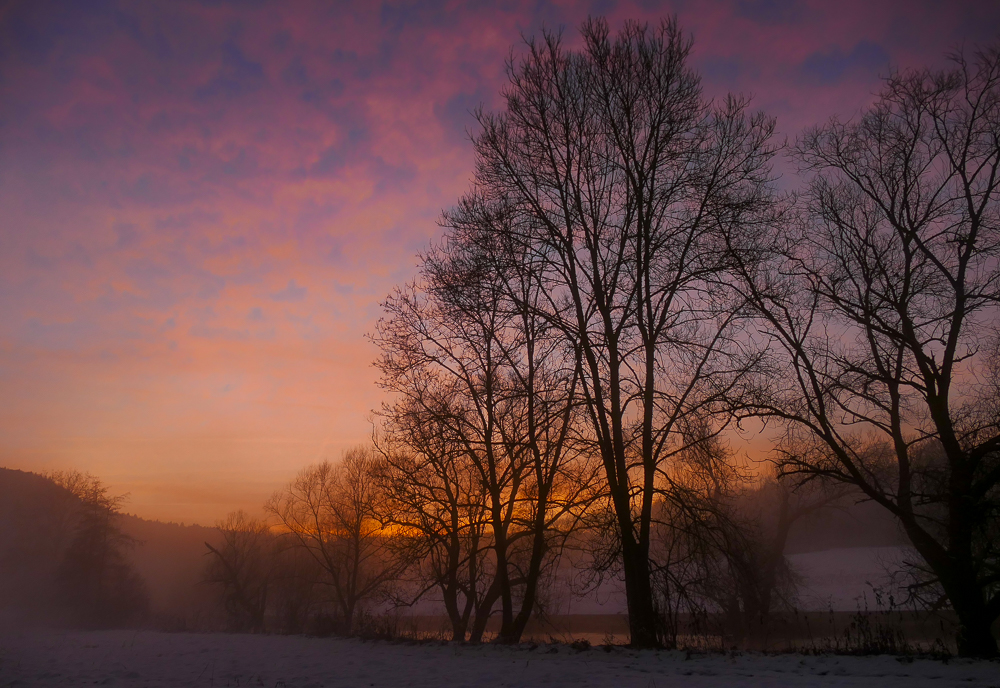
column 620, row 179
column 881, row 304
column 331, row 510
column 484, row 396
column 96, row 581
column 244, row 565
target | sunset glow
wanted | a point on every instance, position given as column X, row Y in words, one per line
column 204, row 203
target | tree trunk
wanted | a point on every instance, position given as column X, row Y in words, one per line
column 642, row 621
column 483, row 612
column 975, row 633
column 458, row 623
column 963, row 590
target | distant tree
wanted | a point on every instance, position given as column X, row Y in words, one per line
column 755, row 578
column 244, row 565
column 294, row 597
column 331, row 510
column 882, row 305
column 769, row 509
column 96, row 581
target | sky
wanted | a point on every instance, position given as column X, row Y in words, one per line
column 203, row 203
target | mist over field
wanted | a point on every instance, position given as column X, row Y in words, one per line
column 838, row 562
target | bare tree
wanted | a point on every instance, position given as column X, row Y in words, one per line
column 700, row 542
column 881, row 306
column 769, row 510
column 96, row 580
column 755, row 577
column 331, row 510
column 541, row 413
column 436, row 500
column 620, row 176
column 483, row 397
column 244, row 566
column 293, row 596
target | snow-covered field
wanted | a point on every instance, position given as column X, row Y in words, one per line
column 130, row 658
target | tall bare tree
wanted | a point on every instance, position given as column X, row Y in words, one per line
column 620, row 176
column 882, row 307
column 541, row 425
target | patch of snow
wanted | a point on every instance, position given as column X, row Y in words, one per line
column 144, row 658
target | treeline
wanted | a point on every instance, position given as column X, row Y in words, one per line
column 622, row 285
column 348, row 545
column 330, row 558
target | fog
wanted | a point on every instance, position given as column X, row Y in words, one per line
column 164, row 576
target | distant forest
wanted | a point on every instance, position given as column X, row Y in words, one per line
column 175, row 582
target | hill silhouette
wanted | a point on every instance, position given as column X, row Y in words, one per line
column 38, row 522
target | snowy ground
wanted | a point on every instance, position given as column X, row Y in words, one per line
column 129, row 658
